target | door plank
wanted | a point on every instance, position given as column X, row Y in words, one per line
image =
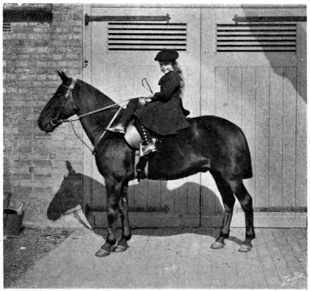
column 248, row 122
column 301, row 153
column 289, row 137
column 276, row 136
column 235, row 95
column 262, row 136
column 221, row 92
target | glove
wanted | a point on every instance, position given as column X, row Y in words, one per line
column 147, row 99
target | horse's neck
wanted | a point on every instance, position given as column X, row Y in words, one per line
column 89, row 100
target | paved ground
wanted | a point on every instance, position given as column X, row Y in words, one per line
column 176, row 258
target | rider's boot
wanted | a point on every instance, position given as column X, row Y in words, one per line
column 129, row 111
column 148, row 147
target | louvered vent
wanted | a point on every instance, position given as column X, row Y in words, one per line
column 256, row 37
column 6, row 27
column 145, row 36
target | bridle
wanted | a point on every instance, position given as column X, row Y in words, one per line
column 68, row 96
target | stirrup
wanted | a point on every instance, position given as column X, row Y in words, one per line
column 118, row 128
column 148, row 148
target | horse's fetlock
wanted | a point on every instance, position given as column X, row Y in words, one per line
column 110, row 242
column 127, row 237
column 223, row 235
column 250, row 235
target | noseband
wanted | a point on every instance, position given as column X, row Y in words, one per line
column 68, row 96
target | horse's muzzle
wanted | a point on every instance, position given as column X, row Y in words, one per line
column 50, row 126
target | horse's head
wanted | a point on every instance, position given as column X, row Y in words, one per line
column 59, row 107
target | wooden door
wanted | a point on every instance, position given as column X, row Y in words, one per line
column 120, row 50
column 254, row 74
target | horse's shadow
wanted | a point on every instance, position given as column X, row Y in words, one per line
column 163, row 232
column 71, row 194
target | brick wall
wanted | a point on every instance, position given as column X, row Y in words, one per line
column 34, row 162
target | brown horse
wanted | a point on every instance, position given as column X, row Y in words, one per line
column 210, row 144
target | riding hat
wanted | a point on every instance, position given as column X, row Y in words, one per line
column 167, row 55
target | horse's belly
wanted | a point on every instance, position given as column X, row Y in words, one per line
column 172, row 163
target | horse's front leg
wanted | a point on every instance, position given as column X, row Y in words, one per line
column 126, row 232
column 113, row 189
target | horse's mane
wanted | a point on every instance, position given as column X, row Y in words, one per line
column 93, row 90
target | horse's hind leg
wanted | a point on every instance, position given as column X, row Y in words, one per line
column 126, row 232
column 246, row 203
column 113, row 194
column 229, row 202
column 228, row 188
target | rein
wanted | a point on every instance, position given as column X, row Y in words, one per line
column 93, row 112
column 93, row 151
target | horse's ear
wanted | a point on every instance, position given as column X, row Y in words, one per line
column 70, row 168
column 62, row 76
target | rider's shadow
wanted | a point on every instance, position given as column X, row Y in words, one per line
column 71, row 194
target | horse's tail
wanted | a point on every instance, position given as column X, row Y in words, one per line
column 247, row 172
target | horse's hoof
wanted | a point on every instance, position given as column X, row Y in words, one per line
column 119, row 249
column 245, row 248
column 217, row 245
column 102, row 253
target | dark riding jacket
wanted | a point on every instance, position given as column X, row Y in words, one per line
column 165, row 115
